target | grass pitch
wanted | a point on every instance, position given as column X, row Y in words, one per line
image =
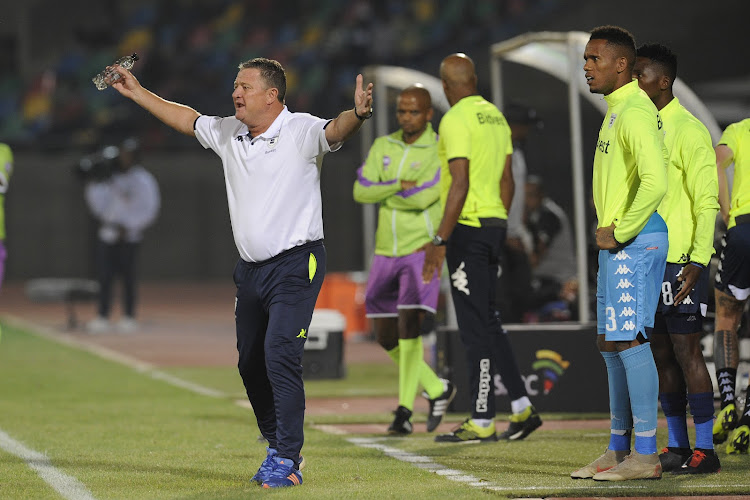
column 123, row 434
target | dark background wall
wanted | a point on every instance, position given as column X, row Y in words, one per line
column 51, row 234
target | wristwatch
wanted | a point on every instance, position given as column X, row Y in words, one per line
column 438, row 241
column 362, row 117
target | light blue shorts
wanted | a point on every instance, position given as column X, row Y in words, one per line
column 629, row 283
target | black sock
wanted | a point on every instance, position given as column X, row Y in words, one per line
column 726, row 378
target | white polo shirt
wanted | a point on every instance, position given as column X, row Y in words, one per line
column 273, row 180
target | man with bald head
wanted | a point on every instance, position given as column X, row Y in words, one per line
column 402, row 174
column 476, row 190
column 629, row 182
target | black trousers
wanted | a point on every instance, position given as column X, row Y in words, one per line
column 472, row 256
column 273, row 310
column 116, row 259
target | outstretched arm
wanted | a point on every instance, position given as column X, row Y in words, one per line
column 347, row 123
column 178, row 116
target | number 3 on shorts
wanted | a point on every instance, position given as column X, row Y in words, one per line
column 611, row 319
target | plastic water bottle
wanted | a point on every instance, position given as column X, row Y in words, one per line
column 111, row 74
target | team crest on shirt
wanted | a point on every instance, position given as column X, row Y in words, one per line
column 415, row 165
column 612, row 119
column 386, row 163
column 273, row 142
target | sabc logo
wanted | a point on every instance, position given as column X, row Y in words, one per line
column 552, row 366
column 548, row 368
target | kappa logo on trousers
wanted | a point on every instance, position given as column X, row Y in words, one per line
column 459, row 279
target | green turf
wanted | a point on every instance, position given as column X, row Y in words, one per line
column 361, row 380
column 125, row 435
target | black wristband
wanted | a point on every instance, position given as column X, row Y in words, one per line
column 363, row 117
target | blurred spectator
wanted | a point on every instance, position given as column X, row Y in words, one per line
column 198, row 38
column 124, row 204
column 552, row 255
column 37, row 103
column 514, row 290
column 521, row 119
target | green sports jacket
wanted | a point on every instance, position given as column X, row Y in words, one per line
column 407, row 219
column 689, row 208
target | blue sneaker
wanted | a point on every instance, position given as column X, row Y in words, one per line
column 284, row 474
column 265, row 468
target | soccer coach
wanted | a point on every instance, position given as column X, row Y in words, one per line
column 272, row 160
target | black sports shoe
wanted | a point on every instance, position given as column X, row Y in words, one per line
column 401, row 425
column 701, row 462
column 672, row 458
column 522, row 424
column 439, row 405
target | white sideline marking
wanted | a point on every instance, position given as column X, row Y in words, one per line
column 111, row 355
column 190, row 386
column 420, row 461
column 426, row 463
column 330, row 429
column 67, row 486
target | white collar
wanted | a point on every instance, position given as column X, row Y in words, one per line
column 273, row 130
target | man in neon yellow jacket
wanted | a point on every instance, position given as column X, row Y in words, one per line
column 402, row 174
column 629, row 182
column 6, row 168
column 689, row 209
column 732, row 285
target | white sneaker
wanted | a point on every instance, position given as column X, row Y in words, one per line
column 127, row 325
column 98, row 325
column 635, row 466
column 607, row 461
